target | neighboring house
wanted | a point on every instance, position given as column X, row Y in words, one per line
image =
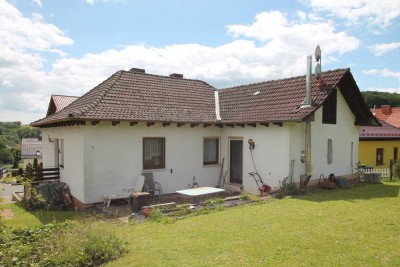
column 388, row 114
column 183, row 129
column 31, row 148
column 59, row 102
column 379, row 145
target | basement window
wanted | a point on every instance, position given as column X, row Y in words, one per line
column 379, row 156
column 210, row 151
column 329, row 109
column 153, row 153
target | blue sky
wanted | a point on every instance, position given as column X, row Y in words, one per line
column 69, row 46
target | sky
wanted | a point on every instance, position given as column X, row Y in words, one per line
column 67, row 47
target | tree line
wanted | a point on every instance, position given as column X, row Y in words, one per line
column 374, row 98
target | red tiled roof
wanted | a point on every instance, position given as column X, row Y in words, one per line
column 388, row 114
column 59, row 102
column 136, row 96
column 386, row 131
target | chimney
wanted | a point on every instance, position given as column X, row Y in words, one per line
column 308, row 82
column 136, row 70
column 386, row 109
column 176, row 75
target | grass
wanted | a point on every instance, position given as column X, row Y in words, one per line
column 21, row 218
column 354, row 227
column 357, row 227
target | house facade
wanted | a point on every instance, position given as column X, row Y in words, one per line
column 379, row 145
column 185, row 130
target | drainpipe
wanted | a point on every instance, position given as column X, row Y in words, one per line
column 308, row 167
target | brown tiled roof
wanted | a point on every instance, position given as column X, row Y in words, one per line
column 388, row 114
column 30, row 147
column 59, row 102
column 136, row 96
column 386, row 131
column 280, row 100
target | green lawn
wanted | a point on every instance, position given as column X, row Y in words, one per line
column 358, row 227
column 355, row 227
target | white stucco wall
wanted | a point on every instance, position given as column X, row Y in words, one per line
column 113, row 157
column 73, row 171
column 343, row 133
column 271, row 153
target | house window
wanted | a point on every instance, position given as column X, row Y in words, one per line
column 210, row 151
column 379, row 156
column 153, row 153
column 395, row 153
column 329, row 151
column 329, row 109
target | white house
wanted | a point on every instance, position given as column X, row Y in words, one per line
column 31, row 149
column 181, row 128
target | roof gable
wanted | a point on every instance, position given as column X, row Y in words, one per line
column 59, row 102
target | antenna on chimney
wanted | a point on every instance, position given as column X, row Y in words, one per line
column 319, row 62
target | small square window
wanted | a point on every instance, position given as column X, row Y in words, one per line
column 210, row 151
column 153, row 153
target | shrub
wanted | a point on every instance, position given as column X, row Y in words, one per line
column 58, row 244
column 287, row 189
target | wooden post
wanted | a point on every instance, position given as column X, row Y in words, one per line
column 391, row 170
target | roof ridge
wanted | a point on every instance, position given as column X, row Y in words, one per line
column 168, row 77
column 65, row 95
column 114, row 78
column 283, row 79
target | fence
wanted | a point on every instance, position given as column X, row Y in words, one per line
column 384, row 172
column 42, row 174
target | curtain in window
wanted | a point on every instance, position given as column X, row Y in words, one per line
column 210, row 151
column 153, row 153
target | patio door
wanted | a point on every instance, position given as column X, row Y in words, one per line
column 236, row 161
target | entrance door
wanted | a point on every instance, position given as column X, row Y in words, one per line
column 235, row 161
column 56, row 153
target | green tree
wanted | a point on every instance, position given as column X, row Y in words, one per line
column 6, row 156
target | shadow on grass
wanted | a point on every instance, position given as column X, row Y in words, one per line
column 23, row 218
column 359, row 192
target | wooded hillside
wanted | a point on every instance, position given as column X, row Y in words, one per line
column 381, row 98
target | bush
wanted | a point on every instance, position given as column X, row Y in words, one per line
column 287, row 189
column 58, row 244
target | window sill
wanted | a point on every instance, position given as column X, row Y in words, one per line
column 211, row 165
column 154, row 170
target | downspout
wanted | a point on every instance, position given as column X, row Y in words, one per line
column 308, row 167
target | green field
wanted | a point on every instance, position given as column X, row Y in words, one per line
column 354, row 227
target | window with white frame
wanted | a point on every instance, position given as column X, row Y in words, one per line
column 210, row 150
column 153, row 153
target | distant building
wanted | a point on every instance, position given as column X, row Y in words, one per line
column 388, row 114
column 379, row 145
column 31, row 148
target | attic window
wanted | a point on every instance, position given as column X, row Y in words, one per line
column 329, row 109
column 256, row 93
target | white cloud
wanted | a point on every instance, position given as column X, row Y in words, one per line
column 384, row 73
column 38, row 2
column 7, row 83
column 276, row 51
column 381, row 49
column 376, row 12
